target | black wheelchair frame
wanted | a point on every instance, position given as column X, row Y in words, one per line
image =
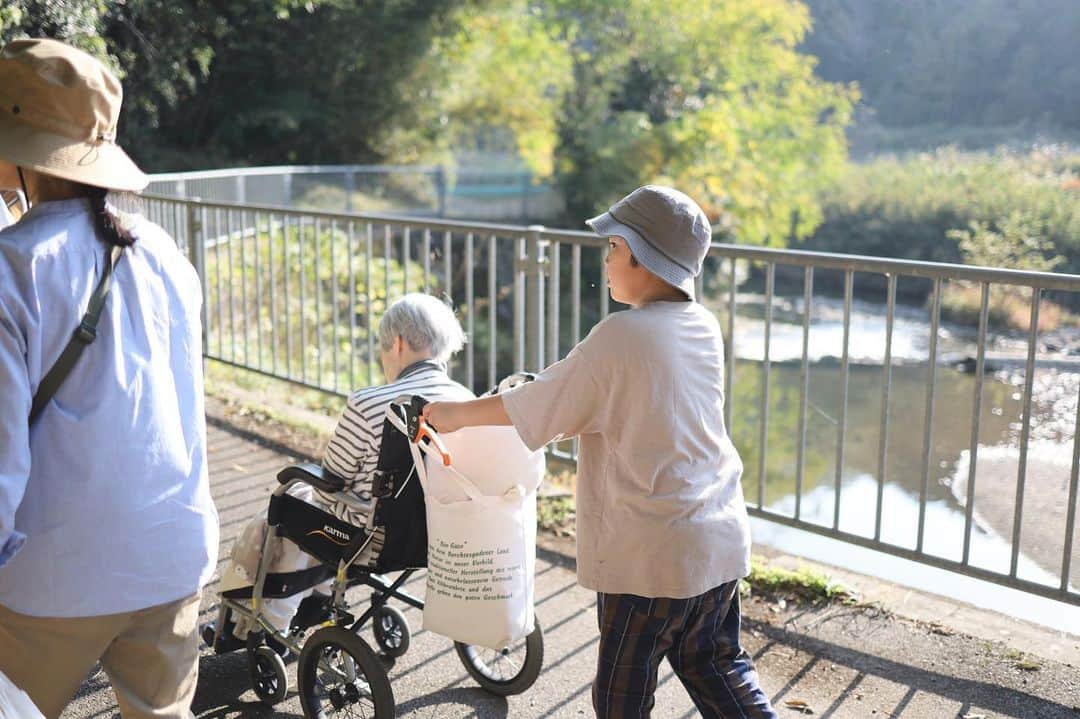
column 337, row 670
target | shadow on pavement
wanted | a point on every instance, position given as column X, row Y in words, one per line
column 990, row 696
column 483, row 704
column 222, row 680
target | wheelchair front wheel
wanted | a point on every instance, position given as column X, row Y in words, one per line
column 391, row 631
column 339, row 675
column 268, row 677
column 509, row 671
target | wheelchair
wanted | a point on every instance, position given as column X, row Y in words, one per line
column 338, row 672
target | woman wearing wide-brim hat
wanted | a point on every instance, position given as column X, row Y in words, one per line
column 107, row 529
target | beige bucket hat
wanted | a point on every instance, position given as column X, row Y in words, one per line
column 58, row 113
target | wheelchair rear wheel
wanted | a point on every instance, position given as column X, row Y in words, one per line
column 339, row 675
column 507, row 672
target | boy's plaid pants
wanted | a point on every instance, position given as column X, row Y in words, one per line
column 700, row 638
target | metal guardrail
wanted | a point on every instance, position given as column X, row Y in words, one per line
column 413, row 189
column 296, row 295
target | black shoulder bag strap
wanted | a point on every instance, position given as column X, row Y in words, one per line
column 84, row 335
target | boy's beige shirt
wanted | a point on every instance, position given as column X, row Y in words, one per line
column 660, row 510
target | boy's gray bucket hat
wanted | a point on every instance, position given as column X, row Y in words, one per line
column 667, row 233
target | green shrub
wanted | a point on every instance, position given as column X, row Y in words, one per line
column 1017, row 241
column 911, row 207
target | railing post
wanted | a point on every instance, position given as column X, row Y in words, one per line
column 286, row 189
column 440, row 191
column 196, row 247
column 520, row 263
column 526, row 183
column 535, row 266
column 241, row 188
column 350, row 187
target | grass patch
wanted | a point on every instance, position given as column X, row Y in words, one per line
column 803, row 585
column 263, row 415
column 556, row 515
column 222, row 380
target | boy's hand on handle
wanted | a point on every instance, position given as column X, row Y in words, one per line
column 452, row 416
column 441, row 416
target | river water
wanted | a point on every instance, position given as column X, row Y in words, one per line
column 1049, row 460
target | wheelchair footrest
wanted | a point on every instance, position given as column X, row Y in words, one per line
column 315, row 609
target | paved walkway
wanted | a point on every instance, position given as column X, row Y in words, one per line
column 840, row 677
column 429, row 681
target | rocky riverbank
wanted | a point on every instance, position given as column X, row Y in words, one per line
column 1048, row 476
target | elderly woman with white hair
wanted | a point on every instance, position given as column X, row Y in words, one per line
column 417, row 336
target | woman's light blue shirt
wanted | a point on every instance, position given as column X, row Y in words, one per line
column 105, row 502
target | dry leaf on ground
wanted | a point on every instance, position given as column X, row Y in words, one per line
column 798, row 705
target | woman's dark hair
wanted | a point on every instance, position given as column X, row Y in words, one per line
column 108, row 225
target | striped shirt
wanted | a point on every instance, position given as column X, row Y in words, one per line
column 353, row 450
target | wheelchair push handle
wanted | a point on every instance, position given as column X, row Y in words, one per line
column 426, row 430
column 417, row 429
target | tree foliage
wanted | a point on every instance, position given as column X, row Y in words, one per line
column 910, row 207
column 601, row 95
column 1016, row 241
column 607, row 96
column 236, row 82
column 76, row 21
column 502, row 76
column 970, row 62
column 713, row 98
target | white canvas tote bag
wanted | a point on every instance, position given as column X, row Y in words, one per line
column 493, row 458
column 481, row 560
